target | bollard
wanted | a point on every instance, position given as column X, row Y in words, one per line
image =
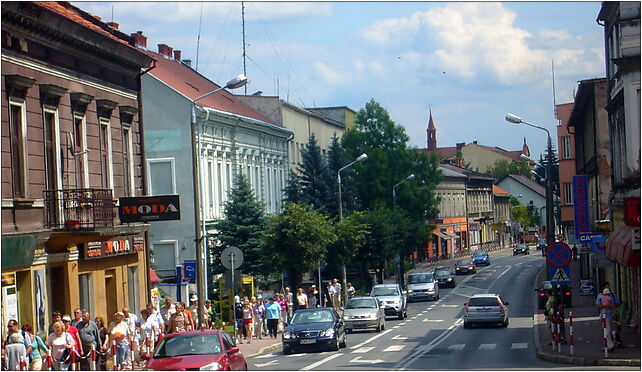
column 49, row 360
column 93, row 357
column 571, row 334
column 552, row 331
column 113, row 350
column 73, row 359
column 559, row 334
column 21, row 364
column 606, row 343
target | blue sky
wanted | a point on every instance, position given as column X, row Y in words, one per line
column 471, row 63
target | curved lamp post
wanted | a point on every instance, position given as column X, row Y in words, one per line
column 199, row 219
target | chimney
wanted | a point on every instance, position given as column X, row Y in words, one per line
column 165, row 50
column 113, row 25
column 140, row 40
column 177, row 55
column 188, row 62
column 475, row 142
column 460, row 145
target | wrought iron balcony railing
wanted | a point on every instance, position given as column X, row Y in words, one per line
column 79, row 209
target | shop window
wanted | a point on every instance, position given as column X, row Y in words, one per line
column 86, row 289
column 133, row 288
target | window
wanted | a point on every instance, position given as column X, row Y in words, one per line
column 568, row 193
column 132, row 287
column 165, row 256
column 86, row 289
column 566, row 147
column 80, row 153
column 104, row 142
column 128, row 161
column 210, row 187
column 219, row 181
column 161, row 179
column 52, row 150
column 18, row 138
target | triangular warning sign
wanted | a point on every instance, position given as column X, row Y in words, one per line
column 560, row 276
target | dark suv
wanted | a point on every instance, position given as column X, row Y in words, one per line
column 445, row 276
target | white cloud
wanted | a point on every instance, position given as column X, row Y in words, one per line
column 392, row 30
column 332, row 75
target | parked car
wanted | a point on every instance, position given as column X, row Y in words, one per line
column 422, row 286
column 213, row 350
column 486, row 309
column 445, row 276
column 521, row 249
column 562, row 293
column 364, row 313
column 481, row 257
column 393, row 298
column 314, row 328
column 466, row 266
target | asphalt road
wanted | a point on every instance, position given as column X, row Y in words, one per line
column 433, row 336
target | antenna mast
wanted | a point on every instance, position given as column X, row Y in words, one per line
column 244, row 54
column 198, row 38
column 554, row 100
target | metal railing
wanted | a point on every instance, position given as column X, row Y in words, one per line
column 78, row 209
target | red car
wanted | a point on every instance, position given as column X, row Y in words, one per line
column 213, row 350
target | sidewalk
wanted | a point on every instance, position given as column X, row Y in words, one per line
column 588, row 349
column 260, row 346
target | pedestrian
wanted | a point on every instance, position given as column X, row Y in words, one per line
column 351, row 290
column 272, row 313
column 289, row 296
column 156, row 317
column 574, row 249
column 56, row 317
column 62, row 345
column 337, row 295
column 166, row 312
column 238, row 318
column 248, row 316
column 38, row 348
column 89, row 335
column 179, row 321
column 259, row 315
column 301, row 299
column 77, row 317
column 607, row 302
column 120, row 332
column 313, row 294
column 327, row 295
column 211, row 313
column 194, row 313
column 189, row 316
column 73, row 331
column 149, row 327
column 283, row 302
column 132, row 322
column 102, row 332
column 18, row 344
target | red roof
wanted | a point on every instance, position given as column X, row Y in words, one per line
column 499, row 191
column 442, row 152
column 193, row 85
column 81, row 18
column 153, row 277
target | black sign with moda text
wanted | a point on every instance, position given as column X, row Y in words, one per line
column 149, row 208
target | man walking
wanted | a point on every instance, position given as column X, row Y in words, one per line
column 166, row 312
column 154, row 316
column 330, row 292
column 89, row 337
column 337, row 294
column 77, row 317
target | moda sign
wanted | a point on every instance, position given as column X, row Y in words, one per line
column 93, row 250
column 149, row 208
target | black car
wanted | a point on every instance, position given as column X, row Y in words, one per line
column 562, row 293
column 314, row 328
column 521, row 249
column 445, row 276
column 466, row 266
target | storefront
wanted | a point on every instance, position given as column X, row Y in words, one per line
column 448, row 238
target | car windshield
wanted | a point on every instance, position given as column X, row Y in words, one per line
column 362, row 303
column 385, row 291
column 483, row 301
column 316, row 316
column 464, row 262
column 442, row 273
column 521, row 245
column 200, row 344
column 480, row 254
column 420, row 278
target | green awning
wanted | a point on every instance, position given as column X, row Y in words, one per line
column 18, row 251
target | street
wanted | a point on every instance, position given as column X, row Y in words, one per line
column 432, row 337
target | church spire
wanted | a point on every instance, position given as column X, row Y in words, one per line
column 431, row 133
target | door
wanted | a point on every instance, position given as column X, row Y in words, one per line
column 57, row 290
column 234, row 361
column 110, row 294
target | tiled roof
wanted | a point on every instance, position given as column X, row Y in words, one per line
column 529, row 183
column 81, row 18
column 499, row 191
column 513, row 155
column 191, row 84
column 442, row 152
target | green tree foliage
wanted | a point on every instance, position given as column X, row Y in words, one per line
column 296, row 240
column 526, row 215
column 337, row 159
column 504, row 167
column 293, row 192
column 378, row 246
column 242, row 226
column 315, row 179
column 351, row 233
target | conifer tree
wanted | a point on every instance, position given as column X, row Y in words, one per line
column 316, row 181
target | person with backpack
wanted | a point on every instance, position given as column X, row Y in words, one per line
column 607, row 302
column 38, row 348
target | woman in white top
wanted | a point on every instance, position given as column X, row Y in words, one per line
column 149, row 328
column 302, row 299
column 248, row 315
column 60, row 340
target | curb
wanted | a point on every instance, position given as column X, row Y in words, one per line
column 266, row 349
column 565, row 359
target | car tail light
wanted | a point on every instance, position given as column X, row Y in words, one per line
column 568, row 293
column 501, row 309
column 466, row 308
column 542, row 294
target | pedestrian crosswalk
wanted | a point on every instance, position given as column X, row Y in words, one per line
column 449, row 348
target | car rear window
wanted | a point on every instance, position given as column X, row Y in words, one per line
column 420, row 278
column 465, row 262
column 483, row 301
column 188, row 345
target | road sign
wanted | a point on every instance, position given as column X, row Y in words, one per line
column 558, row 254
column 560, row 275
column 229, row 255
column 586, row 287
column 599, row 260
column 189, row 268
column 598, row 244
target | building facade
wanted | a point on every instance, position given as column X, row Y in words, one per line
column 71, row 133
column 566, row 151
column 502, row 226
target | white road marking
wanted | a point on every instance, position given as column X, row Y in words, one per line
column 487, row 346
column 519, row 345
column 403, row 323
column 398, row 337
column 449, row 305
column 294, row 355
column 363, row 350
column 433, row 320
column 424, row 349
column 264, row 356
column 270, row 363
column 370, row 339
column 359, row 360
column 394, row 348
column 316, row 364
column 456, row 347
column 395, row 327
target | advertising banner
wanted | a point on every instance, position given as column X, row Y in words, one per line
column 580, row 205
column 149, row 208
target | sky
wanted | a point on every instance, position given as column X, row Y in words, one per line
column 469, row 63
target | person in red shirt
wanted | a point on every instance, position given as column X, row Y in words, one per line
column 73, row 331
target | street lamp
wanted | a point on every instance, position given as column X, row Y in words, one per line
column 344, row 275
column 394, row 206
column 199, row 218
column 550, row 223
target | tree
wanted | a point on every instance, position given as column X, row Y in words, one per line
column 378, row 246
column 526, row 215
column 351, row 233
column 293, row 192
column 315, row 179
column 242, row 226
column 296, row 240
column 504, row 167
column 337, row 159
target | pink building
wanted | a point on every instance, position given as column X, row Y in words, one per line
column 566, row 152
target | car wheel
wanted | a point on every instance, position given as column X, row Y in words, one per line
column 466, row 324
column 343, row 344
column 336, row 346
column 405, row 313
column 505, row 324
column 287, row 350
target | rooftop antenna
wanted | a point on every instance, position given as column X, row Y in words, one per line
column 244, row 54
column 198, row 38
column 112, row 13
column 554, row 100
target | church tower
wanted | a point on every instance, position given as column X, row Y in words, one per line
column 431, row 134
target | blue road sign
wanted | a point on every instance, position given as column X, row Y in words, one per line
column 587, row 236
column 189, row 266
column 598, row 244
column 559, row 275
column 558, row 254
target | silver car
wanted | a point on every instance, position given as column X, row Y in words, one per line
column 423, row 286
column 364, row 313
column 393, row 299
column 486, row 309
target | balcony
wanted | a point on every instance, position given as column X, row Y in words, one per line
column 79, row 209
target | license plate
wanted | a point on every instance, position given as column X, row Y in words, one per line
column 485, row 310
column 310, row 341
column 360, row 324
